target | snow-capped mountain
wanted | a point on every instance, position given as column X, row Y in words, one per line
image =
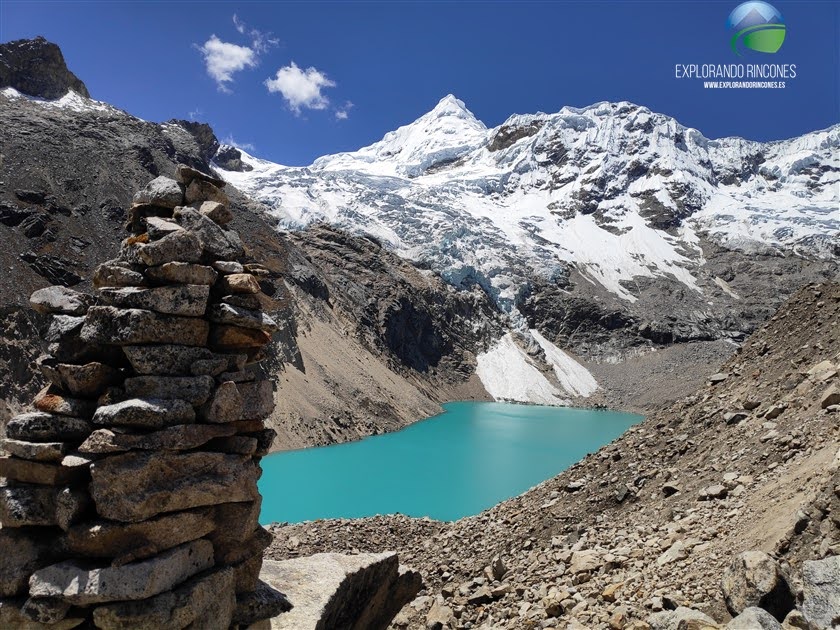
column 612, row 191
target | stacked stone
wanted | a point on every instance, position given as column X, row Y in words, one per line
column 130, row 497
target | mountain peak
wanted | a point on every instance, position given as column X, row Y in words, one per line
column 37, row 68
column 450, row 105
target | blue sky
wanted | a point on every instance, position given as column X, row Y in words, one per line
column 296, row 80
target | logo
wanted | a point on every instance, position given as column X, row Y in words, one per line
column 756, row 26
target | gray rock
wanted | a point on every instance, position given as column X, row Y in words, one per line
column 821, row 591
column 176, row 438
column 29, row 505
column 152, row 413
column 22, row 551
column 235, row 522
column 172, row 610
column 235, row 444
column 754, row 619
column 716, row 491
column 201, row 190
column 46, row 610
column 138, row 485
column 264, row 602
column 158, row 227
column 734, row 417
column 258, row 399
column 439, row 617
column 139, row 580
column 88, row 380
column 193, row 389
column 161, row 191
column 498, row 568
column 754, row 579
column 215, row 211
column 319, row 589
column 244, row 300
column 226, row 405
column 179, row 246
column 585, row 561
column 182, row 273
column 185, row 299
column 718, row 377
column 228, row 266
column 672, row 619
column 133, row 541
column 46, row 427
column 830, row 397
column 53, row 400
column 178, row 360
column 11, row 616
column 35, row 451
column 237, row 316
column 117, row 274
column 215, row 241
column 185, row 174
column 37, row 472
column 106, row 324
column 58, row 299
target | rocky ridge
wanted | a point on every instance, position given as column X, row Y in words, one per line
column 647, row 532
column 130, row 496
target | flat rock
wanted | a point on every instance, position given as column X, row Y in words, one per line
column 45, row 427
column 225, row 337
column 107, row 539
column 264, row 602
column 234, row 552
column 117, row 274
column 228, row 266
column 161, row 191
column 138, row 485
column 182, row 273
column 150, row 412
column 718, row 378
column 185, row 174
column 53, row 400
column 107, row 324
column 88, row 380
column 236, row 444
column 172, row 610
column 226, row 405
column 754, row 619
column 585, row 561
column 215, row 211
column 25, row 505
column 177, row 360
column 239, row 283
column 821, row 591
column 215, row 241
column 11, row 616
column 22, row 551
column 37, row 472
column 158, row 227
column 754, row 579
column 317, row 586
column 258, row 398
column 202, row 190
column 177, row 438
column 716, row 491
column 58, row 299
column 138, row 580
column 185, row 299
column 235, row 522
column 238, row 316
column 35, row 451
column 245, row 300
column 679, row 618
column 829, row 397
column 179, row 246
column 195, row 390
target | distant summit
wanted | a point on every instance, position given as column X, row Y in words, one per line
column 36, row 67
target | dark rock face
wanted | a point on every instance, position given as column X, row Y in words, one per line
column 230, row 159
column 36, row 67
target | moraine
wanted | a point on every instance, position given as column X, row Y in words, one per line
column 456, row 464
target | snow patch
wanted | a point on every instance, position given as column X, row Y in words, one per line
column 574, row 378
column 507, row 374
column 72, row 101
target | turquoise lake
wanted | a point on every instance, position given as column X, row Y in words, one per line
column 456, row 464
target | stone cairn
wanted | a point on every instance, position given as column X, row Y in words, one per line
column 130, row 496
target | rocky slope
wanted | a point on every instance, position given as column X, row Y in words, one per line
column 653, row 521
column 372, row 343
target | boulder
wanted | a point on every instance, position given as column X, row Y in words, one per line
column 138, row 485
column 679, row 619
column 237, row 316
column 754, row 619
column 52, row 400
column 35, row 451
column 754, row 579
column 180, row 246
column 330, row 590
column 829, row 397
column 172, row 610
column 216, row 242
column 117, row 274
column 185, row 174
column 185, row 299
column 58, row 299
column 11, row 616
column 263, row 602
column 27, row 471
column 176, row 438
column 226, row 405
column 138, row 580
column 821, row 592
column 193, row 389
column 107, row 539
column 176, row 360
column 182, row 273
column 258, row 399
column 239, row 283
column 107, row 324
column 159, row 227
column 152, row 413
column 202, row 190
column 585, row 561
column 716, row 491
column 22, row 551
column 215, row 211
column 229, row 266
column 161, row 191
column 46, row 427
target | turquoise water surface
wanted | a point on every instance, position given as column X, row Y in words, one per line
column 458, row 463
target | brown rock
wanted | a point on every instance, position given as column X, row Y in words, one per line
column 136, row 486
column 177, row 360
column 185, row 174
column 202, row 190
column 225, row 406
column 117, row 274
column 239, row 283
column 87, row 380
column 11, row 616
column 234, row 552
column 182, row 273
column 829, row 397
column 107, row 324
column 215, row 211
column 23, row 551
column 52, row 400
column 263, row 602
column 37, row 472
column 258, row 399
column 177, row 438
column 35, row 451
column 24, row 505
column 225, row 337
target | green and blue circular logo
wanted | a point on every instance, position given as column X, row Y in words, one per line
column 756, row 26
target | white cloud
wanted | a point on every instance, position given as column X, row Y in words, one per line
column 260, row 41
column 341, row 113
column 239, row 24
column 245, row 146
column 300, row 88
column 223, row 59
column 196, row 113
